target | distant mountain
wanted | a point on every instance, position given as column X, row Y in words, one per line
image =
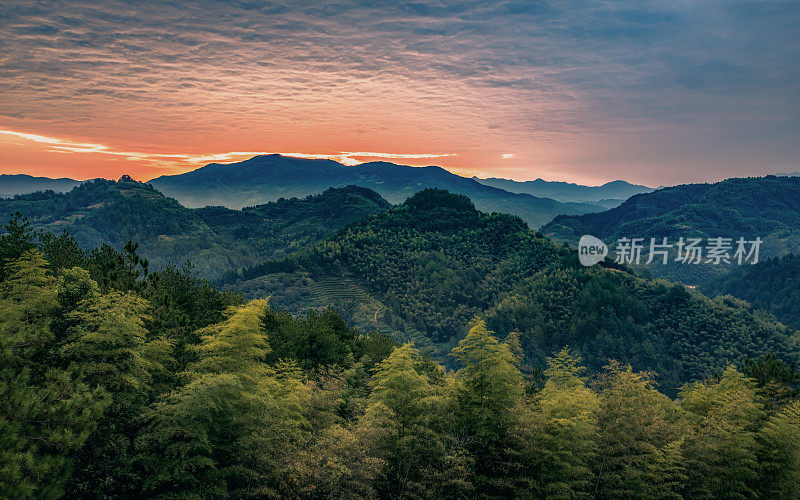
column 270, row 177
column 217, row 240
column 13, row 184
column 568, row 192
column 766, row 207
column 421, row 271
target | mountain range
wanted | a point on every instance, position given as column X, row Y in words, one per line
column 271, row 177
column 423, row 269
column 609, row 194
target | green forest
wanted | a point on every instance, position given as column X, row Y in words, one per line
column 121, row 381
column 772, row 285
column 217, row 240
column 434, row 263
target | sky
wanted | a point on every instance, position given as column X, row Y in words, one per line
column 653, row 92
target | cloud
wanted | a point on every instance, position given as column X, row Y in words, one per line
column 619, row 81
column 181, row 162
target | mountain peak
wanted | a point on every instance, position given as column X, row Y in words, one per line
column 434, row 198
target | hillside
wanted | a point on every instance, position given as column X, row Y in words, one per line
column 423, row 270
column 270, row 177
column 772, row 285
column 13, row 184
column 765, row 207
column 569, row 192
column 216, row 239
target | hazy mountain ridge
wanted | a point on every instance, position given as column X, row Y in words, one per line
column 270, row 177
column 567, row 191
column 14, row 184
column 766, row 207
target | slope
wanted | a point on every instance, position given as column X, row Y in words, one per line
column 772, row 285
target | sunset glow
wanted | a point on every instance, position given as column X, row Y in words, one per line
column 661, row 95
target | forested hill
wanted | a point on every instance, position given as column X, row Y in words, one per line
column 772, row 285
column 423, row 270
column 216, row 239
column 765, row 207
column 269, row 177
column 753, row 206
column 117, row 383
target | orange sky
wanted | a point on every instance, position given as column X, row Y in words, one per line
column 650, row 92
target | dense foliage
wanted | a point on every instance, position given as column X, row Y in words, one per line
column 562, row 381
column 435, row 262
column 772, row 285
column 216, row 239
column 95, row 404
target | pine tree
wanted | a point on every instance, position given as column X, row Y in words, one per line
column 16, row 238
column 46, row 412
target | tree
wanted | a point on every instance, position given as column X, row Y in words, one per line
column 636, row 426
column 720, row 448
column 780, row 455
column 105, row 342
column 776, row 381
column 232, row 427
column 487, row 394
column 560, row 434
column 17, row 239
column 124, row 271
column 61, row 251
column 46, row 412
column 180, row 305
column 403, row 397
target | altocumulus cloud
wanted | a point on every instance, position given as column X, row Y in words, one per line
column 665, row 87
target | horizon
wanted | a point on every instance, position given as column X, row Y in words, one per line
column 147, row 180
column 324, row 157
column 655, row 93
